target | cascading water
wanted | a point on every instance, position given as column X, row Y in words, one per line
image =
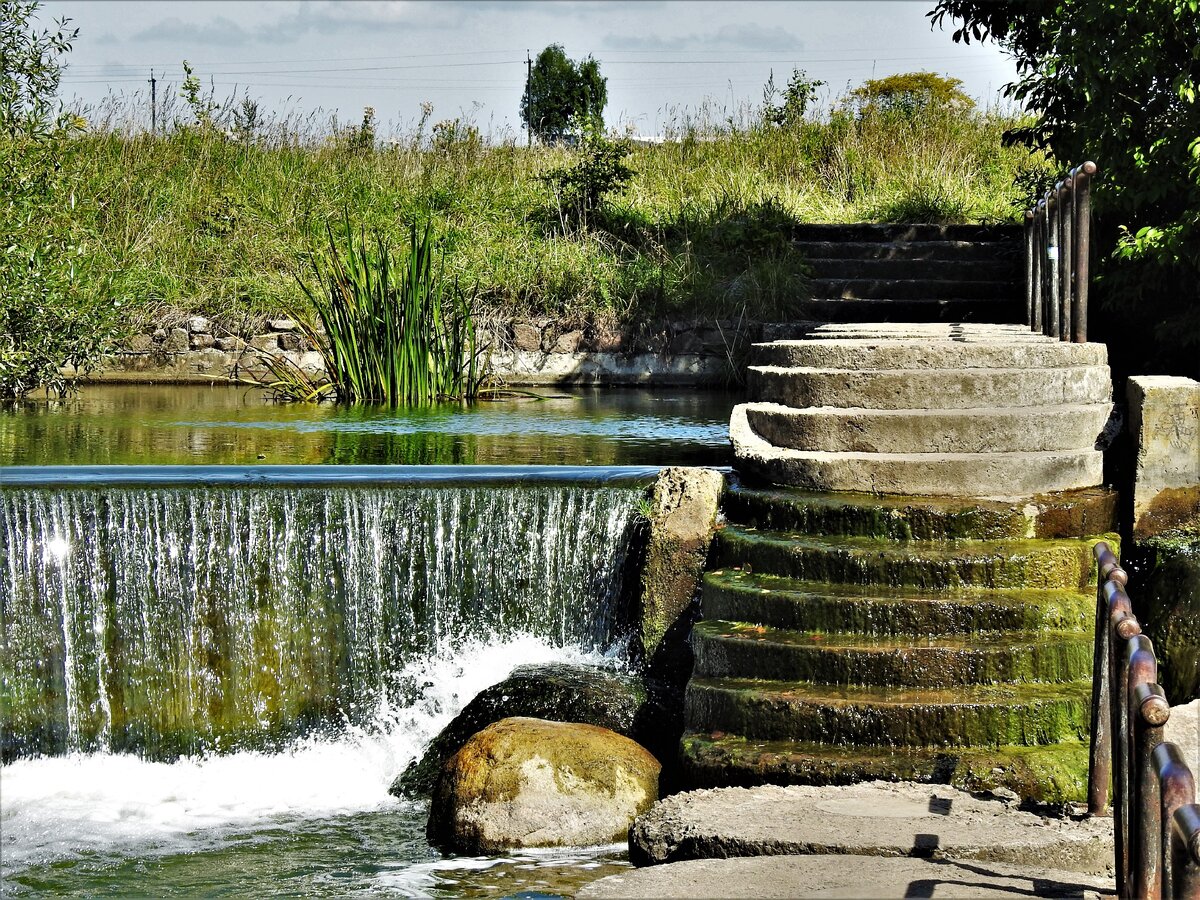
column 181, row 662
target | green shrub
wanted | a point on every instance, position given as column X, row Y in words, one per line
column 393, row 330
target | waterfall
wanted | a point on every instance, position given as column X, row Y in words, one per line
column 178, row 620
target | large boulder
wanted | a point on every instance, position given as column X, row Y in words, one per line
column 562, row 693
column 525, row 782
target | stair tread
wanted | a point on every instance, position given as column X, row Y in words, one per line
column 973, row 411
column 716, row 629
column 963, row 548
column 967, row 594
column 969, row 695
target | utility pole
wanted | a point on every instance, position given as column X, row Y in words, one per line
column 529, row 95
column 153, row 103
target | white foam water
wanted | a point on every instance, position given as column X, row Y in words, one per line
column 121, row 807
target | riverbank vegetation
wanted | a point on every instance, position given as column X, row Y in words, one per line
column 211, row 218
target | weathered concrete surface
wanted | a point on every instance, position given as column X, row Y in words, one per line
column 1007, row 352
column 927, row 388
column 978, row 430
column 1168, row 605
column 525, row 782
column 845, row 877
column 683, row 516
column 988, row 475
column 1164, row 419
column 870, row 819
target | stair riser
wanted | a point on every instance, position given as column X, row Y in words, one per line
column 832, row 722
column 1018, row 476
column 999, row 235
column 1065, row 515
column 971, row 431
column 909, row 289
column 929, row 389
column 923, row 269
column 934, row 252
column 1055, row 773
column 924, row 353
column 894, row 617
column 1053, row 567
column 1055, row 661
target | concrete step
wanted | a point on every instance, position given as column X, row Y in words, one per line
column 1004, row 270
column 988, row 715
column 941, row 331
column 973, row 351
column 884, row 819
column 802, row 386
column 933, row 251
column 976, row 430
column 1066, row 514
column 908, row 233
column 780, row 602
column 911, row 309
column 909, row 289
column 733, row 649
column 928, row 565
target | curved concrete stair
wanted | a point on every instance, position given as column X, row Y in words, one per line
column 873, row 715
column 726, row 649
column 970, row 350
column 928, row 565
column 977, row 430
column 1048, row 772
column 920, row 389
column 1064, row 514
column 995, row 475
column 790, row 603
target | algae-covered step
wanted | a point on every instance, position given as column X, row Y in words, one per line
column 1050, row 772
column 1063, row 514
column 958, row 716
column 782, row 602
column 930, row 565
column 746, row 650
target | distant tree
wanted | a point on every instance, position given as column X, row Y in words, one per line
column 563, row 97
column 911, row 92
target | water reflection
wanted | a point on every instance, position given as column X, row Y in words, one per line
column 130, row 424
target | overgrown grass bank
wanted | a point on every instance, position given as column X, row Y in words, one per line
column 199, row 221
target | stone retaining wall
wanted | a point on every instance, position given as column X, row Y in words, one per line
column 1164, row 419
column 529, row 352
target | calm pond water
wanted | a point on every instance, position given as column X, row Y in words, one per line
column 160, row 425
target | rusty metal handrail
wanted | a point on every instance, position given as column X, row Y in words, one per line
column 1058, row 236
column 1156, row 821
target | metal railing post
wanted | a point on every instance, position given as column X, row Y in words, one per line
column 1150, row 711
column 1100, row 767
column 1053, row 251
column 1030, row 256
column 1124, row 628
column 1176, row 788
column 1185, row 852
column 1039, row 268
column 1083, row 247
column 1064, row 261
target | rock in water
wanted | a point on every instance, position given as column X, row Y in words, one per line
column 533, row 783
column 561, row 693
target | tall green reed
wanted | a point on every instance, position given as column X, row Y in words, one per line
column 392, row 330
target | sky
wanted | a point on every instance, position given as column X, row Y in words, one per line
column 663, row 59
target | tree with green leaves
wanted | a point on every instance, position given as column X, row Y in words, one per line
column 911, row 92
column 563, row 97
column 45, row 323
column 800, row 93
column 1118, row 82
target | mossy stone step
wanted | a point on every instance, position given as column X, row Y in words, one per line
column 1054, row 773
column 1065, row 514
column 928, row 565
column 961, row 716
column 875, row 609
column 744, row 650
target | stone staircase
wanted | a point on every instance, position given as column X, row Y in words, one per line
column 939, row 626
column 920, row 273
